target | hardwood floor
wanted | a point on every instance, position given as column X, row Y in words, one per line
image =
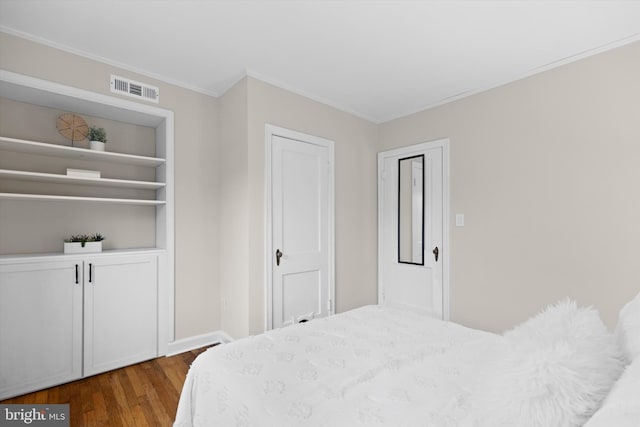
column 145, row 394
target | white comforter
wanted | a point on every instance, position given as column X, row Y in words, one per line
column 371, row 366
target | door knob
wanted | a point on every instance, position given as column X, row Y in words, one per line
column 436, row 252
column 278, row 256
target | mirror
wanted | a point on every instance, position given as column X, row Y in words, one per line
column 411, row 210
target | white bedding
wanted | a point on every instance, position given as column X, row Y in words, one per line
column 622, row 406
column 371, row 366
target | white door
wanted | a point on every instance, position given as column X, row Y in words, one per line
column 121, row 317
column 301, row 228
column 413, row 248
column 40, row 325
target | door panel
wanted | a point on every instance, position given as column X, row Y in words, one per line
column 300, row 185
column 40, row 325
column 303, row 186
column 418, row 283
column 121, row 312
column 302, row 296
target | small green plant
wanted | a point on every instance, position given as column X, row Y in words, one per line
column 84, row 238
column 97, row 134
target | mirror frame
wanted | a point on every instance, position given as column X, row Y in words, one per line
column 421, row 156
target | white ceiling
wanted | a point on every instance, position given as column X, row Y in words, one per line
column 377, row 59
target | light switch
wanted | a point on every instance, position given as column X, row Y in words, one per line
column 459, row 220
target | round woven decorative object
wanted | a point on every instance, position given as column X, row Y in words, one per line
column 72, row 127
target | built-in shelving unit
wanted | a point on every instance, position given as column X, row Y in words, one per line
column 77, row 193
column 46, row 149
column 26, row 89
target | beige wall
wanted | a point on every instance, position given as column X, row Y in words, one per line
column 234, row 239
column 196, row 133
column 547, row 173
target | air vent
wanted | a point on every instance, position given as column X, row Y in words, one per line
column 134, row 89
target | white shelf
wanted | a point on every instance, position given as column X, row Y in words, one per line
column 48, row 197
column 42, row 148
column 57, row 256
column 67, row 179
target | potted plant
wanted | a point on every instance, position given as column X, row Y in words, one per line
column 97, row 138
column 83, row 243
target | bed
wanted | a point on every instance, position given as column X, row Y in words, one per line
column 394, row 366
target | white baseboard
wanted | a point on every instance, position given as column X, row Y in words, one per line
column 191, row 343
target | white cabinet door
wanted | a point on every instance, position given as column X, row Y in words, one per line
column 121, row 317
column 40, row 325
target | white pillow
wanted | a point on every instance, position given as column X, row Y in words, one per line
column 557, row 368
column 621, row 408
column 628, row 329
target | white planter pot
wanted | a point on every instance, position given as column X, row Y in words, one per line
column 97, row 145
column 77, row 248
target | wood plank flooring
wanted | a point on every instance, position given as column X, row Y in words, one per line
column 145, row 394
